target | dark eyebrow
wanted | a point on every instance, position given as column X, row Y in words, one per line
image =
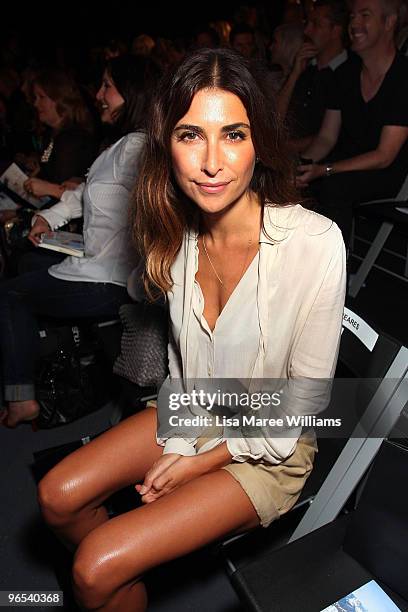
column 199, row 130
column 191, row 128
column 234, row 126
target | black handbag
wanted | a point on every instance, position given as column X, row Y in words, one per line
column 143, row 356
column 68, row 388
column 72, row 379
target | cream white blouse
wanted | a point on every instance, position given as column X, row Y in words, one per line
column 295, row 311
column 236, row 333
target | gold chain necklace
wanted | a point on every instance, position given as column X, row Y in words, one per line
column 213, row 267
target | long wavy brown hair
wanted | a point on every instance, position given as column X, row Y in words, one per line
column 161, row 212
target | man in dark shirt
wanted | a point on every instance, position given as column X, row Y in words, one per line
column 362, row 145
column 303, row 98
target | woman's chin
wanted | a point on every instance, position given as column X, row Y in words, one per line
column 106, row 117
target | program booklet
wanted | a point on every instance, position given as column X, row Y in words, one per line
column 13, row 179
column 64, row 242
column 368, row 598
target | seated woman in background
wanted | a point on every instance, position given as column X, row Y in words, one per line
column 255, row 285
column 94, row 285
column 69, row 143
column 69, row 147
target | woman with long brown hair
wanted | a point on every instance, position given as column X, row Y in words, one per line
column 255, row 286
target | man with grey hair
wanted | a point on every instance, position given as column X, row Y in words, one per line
column 362, row 146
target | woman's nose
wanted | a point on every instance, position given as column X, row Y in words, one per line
column 212, row 162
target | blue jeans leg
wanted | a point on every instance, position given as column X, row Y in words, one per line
column 39, row 293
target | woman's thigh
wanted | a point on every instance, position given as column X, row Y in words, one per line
column 115, row 459
column 38, row 259
column 190, row 517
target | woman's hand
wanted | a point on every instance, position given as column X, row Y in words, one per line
column 173, row 470
column 167, row 474
column 72, row 183
column 40, row 227
column 308, row 173
column 36, row 187
column 39, row 188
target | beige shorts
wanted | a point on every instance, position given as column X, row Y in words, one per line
column 274, row 489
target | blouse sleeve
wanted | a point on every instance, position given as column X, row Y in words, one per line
column 312, row 366
column 127, row 159
column 69, row 207
column 175, row 444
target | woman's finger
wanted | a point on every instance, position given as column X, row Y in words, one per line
column 157, row 469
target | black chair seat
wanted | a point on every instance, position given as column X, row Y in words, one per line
column 306, row 575
column 370, row 543
column 387, row 210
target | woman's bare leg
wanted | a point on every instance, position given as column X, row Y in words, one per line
column 71, row 494
column 110, row 560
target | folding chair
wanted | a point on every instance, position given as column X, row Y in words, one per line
column 392, row 217
column 383, row 363
column 324, row 566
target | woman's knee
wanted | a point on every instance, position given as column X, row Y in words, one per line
column 57, row 499
column 87, row 579
column 96, row 572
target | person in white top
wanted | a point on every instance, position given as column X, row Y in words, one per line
column 94, row 285
column 255, row 288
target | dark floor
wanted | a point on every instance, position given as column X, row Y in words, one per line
column 29, row 558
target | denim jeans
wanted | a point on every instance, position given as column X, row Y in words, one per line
column 39, row 293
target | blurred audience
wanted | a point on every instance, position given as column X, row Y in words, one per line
column 223, row 29
column 402, row 34
column 362, row 147
column 166, row 53
column 242, row 40
column 285, row 44
column 94, row 285
column 303, row 98
column 114, row 48
column 254, row 18
column 293, row 12
column 69, row 146
column 64, row 135
column 143, row 44
column 18, row 113
column 205, row 36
